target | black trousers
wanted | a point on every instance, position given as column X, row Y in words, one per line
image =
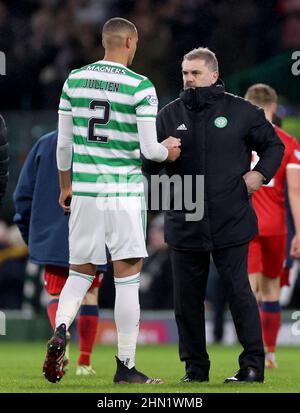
column 190, row 273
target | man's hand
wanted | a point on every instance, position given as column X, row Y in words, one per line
column 65, row 190
column 253, row 180
column 173, row 146
column 65, row 199
column 295, row 246
column 171, row 142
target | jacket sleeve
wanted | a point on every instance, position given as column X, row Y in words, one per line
column 263, row 139
column 23, row 195
column 4, row 158
column 151, row 167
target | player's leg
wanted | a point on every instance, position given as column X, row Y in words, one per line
column 125, row 229
column 78, row 283
column 270, row 316
column 54, row 281
column 125, row 236
column 87, row 250
column 85, row 254
column 269, row 285
column 52, row 308
column 127, row 307
column 254, row 283
column 87, row 328
column 127, row 318
column 255, row 266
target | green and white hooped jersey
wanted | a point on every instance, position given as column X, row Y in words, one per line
column 105, row 99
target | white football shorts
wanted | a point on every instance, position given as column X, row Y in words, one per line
column 117, row 222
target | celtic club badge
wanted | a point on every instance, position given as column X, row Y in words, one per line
column 221, row 122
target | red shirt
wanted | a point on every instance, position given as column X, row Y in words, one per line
column 268, row 201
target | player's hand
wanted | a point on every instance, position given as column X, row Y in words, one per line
column 253, row 181
column 174, row 154
column 171, row 142
column 295, row 246
column 173, row 146
column 65, row 200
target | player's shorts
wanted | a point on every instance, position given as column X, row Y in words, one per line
column 267, row 255
column 118, row 222
column 56, row 277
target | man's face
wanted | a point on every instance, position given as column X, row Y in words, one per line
column 196, row 73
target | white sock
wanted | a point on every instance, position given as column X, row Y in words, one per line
column 71, row 297
column 127, row 317
column 270, row 356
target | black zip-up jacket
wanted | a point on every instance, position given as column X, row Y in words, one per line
column 4, row 159
column 218, row 131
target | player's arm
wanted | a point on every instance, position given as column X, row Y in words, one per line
column 146, row 112
column 64, row 159
column 151, row 149
column 293, row 182
column 64, row 148
column 262, row 138
column 150, row 167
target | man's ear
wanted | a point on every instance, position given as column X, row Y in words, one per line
column 274, row 107
column 215, row 76
column 128, row 42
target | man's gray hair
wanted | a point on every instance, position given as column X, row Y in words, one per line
column 204, row 53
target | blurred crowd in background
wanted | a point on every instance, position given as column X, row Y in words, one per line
column 44, row 39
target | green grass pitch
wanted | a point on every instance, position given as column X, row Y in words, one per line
column 21, row 366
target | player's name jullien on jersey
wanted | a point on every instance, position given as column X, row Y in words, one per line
column 102, row 85
column 105, row 99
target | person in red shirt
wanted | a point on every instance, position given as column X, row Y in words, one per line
column 267, row 250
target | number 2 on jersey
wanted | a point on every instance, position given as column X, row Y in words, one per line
column 97, row 104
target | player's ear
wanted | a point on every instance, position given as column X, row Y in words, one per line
column 128, row 42
column 274, row 107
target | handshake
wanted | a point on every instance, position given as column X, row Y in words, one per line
column 173, row 146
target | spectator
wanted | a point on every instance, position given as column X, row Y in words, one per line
column 13, row 257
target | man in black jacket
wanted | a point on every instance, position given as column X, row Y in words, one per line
column 4, row 159
column 218, row 131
